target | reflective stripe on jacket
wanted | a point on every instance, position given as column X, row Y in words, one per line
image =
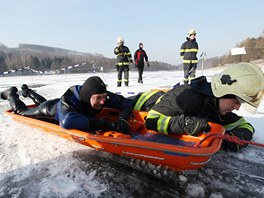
column 189, row 51
column 142, row 99
column 123, row 55
column 162, row 121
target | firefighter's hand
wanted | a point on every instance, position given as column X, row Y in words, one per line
column 148, row 64
column 194, row 125
column 131, row 61
column 242, row 134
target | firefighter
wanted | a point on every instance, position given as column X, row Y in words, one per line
column 188, row 53
column 139, row 57
column 123, row 58
column 188, row 108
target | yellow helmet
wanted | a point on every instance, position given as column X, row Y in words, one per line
column 192, row 31
column 244, row 80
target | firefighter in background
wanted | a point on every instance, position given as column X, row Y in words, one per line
column 139, row 57
column 188, row 53
column 123, row 57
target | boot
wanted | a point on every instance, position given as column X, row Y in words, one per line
column 16, row 104
column 7, row 93
column 119, row 84
column 126, row 84
column 26, row 92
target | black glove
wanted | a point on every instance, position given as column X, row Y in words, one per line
column 194, row 125
column 148, row 64
column 242, row 134
column 122, row 126
column 101, row 124
column 131, row 61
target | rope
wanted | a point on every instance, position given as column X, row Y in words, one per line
column 229, row 138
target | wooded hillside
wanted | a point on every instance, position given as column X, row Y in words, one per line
column 44, row 58
column 254, row 50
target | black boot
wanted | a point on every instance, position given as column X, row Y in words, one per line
column 26, row 92
column 119, row 84
column 7, row 93
column 16, row 104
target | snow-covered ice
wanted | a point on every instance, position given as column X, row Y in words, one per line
column 36, row 164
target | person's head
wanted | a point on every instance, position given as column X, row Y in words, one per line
column 192, row 34
column 228, row 103
column 93, row 93
column 120, row 41
column 140, row 45
column 241, row 83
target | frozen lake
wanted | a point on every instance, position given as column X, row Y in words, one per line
column 36, row 164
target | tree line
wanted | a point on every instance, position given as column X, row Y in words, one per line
column 44, row 58
column 254, row 50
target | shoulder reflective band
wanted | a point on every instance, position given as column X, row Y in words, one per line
column 241, row 123
column 142, row 99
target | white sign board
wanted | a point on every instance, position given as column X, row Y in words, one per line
column 238, row 51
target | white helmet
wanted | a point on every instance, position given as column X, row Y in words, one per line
column 120, row 40
column 192, row 31
column 244, row 80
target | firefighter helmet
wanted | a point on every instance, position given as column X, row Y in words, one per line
column 192, row 31
column 244, row 80
column 120, row 40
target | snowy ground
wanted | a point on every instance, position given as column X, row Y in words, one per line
column 36, row 164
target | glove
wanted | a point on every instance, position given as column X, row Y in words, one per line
column 101, row 124
column 122, row 126
column 131, row 61
column 242, row 134
column 194, row 126
column 148, row 64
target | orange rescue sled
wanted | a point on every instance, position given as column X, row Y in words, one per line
column 174, row 151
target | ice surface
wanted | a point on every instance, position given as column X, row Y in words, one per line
column 37, row 164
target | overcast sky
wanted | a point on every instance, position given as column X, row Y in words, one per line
column 93, row 26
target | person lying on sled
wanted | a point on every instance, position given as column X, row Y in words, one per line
column 77, row 108
column 188, row 108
